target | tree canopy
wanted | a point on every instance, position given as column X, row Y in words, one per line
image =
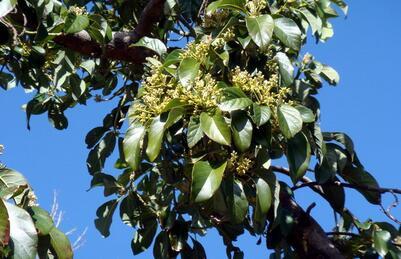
column 212, row 95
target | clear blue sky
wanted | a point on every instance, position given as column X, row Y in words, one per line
column 366, row 105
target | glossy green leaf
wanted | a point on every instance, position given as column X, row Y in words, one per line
column 235, row 104
column 195, row 133
column 330, row 75
column 298, row 156
column 22, row 232
column 42, row 220
column 155, row 138
column 143, row 237
column 10, row 180
column 4, row 225
column 381, row 241
column 153, row 44
column 205, row 180
column 76, row 23
column 313, row 21
column 216, row 128
column 286, row 68
column 288, row 32
column 263, row 202
column 161, row 246
column 261, row 114
column 239, row 207
column 260, row 29
column 358, row 176
column 105, row 216
column 60, row 244
column 289, row 119
column 187, row 71
column 237, row 5
column 132, row 144
column 306, row 113
column 242, row 130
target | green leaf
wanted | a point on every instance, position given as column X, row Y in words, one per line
column 155, row 138
column 60, row 244
column 263, row 203
column 22, row 232
column 187, row 71
column 233, row 92
column 4, row 225
column 239, row 203
column 216, row 128
column 105, row 216
column 330, row 75
column 132, row 143
column 314, row 22
column 357, row 176
column 42, row 220
column 242, row 130
column 381, row 240
column 260, row 29
column 6, row 6
column 306, row 113
column 261, row 114
column 11, row 180
column 205, row 180
column 157, row 129
column 144, row 236
column 237, row 5
column 298, row 156
column 286, row 68
column 94, row 135
column 335, row 196
column 173, row 57
column 161, row 246
column 153, row 44
column 235, row 104
column 76, row 23
column 290, row 120
column 343, row 6
column 195, row 133
column 288, row 32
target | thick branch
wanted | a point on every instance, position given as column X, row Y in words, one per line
column 119, row 47
column 306, row 236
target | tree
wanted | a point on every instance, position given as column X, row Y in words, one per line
column 199, row 128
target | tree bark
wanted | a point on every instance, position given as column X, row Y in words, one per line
column 119, row 47
column 306, row 236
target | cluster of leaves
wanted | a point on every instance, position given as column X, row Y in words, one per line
column 205, row 123
column 27, row 230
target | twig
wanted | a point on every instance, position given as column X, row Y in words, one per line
column 387, row 211
column 352, row 186
column 342, row 234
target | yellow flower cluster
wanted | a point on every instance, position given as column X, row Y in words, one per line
column 203, row 95
column 223, row 38
column 241, row 164
column 262, row 91
column 77, row 10
column 255, row 7
column 158, row 89
column 199, row 50
column 215, row 19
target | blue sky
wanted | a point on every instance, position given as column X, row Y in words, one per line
column 366, row 105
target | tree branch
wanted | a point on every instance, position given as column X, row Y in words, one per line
column 352, row 186
column 306, row 236
column 119, row 47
